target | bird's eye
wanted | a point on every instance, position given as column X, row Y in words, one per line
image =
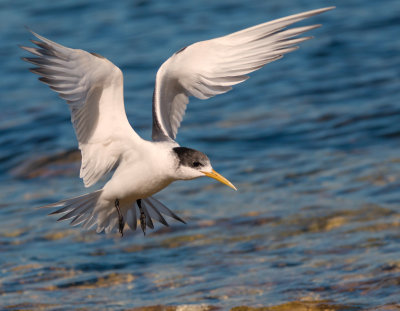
column 196, row 164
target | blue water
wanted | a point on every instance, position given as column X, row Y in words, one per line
column 312, row 142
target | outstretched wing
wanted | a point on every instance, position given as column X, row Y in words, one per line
column 207, row 68
column 93, row 89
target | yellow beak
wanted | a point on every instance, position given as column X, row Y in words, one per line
column 220, row 178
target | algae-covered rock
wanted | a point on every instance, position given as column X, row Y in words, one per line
column 301, row 306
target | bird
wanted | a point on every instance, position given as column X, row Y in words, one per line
column 92, row 87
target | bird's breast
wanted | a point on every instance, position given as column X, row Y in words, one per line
column 135, row 184
column 140, row 178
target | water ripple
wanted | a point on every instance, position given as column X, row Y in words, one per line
column 311, row 142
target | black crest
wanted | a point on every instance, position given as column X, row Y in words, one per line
column 190, row 157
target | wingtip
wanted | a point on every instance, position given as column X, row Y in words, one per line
column 315, row 26
column 35, row 70
column 36, row 35
column 322, row 10
column 43, row 206
column 25, row 59
column 30, row 30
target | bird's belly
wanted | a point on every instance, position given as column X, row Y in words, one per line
column 131, row 187
column 147, row 187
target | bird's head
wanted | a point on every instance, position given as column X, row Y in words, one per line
column 193, row 164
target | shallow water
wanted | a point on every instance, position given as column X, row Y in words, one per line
column 311, row 141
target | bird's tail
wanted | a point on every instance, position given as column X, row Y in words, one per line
column 81, row 209
column 87, row 210
column 153, row 209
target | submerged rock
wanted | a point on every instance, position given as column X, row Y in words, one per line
column 63, row 163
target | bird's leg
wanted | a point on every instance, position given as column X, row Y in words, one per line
column 142, row 216
column 120, row 218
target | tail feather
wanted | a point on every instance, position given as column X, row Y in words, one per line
column 112, row 223
column 154, row 213
column 131, row 218
column 153, row 209
column 157, row 205
column 69, row 205
column 87, row 210
column 90, row 222
column 79, row 219
column 78, row 211
column 79, row 208
column 149, row 222
column 106, row 220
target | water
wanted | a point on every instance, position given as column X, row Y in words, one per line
column 311, row 141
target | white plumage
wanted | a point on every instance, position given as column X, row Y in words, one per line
column 93, row 89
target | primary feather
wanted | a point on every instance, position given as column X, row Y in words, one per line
column 93, row 89
column 208, row 68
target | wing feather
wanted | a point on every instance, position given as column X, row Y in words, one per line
column 93, row 89
column 208, row 68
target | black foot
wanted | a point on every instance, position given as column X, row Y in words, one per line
column 142, row 216
column 120, row 218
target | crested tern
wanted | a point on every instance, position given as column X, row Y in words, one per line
column 92, row 86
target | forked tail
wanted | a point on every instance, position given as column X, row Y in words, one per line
column 152, row 208
column 86, row 210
